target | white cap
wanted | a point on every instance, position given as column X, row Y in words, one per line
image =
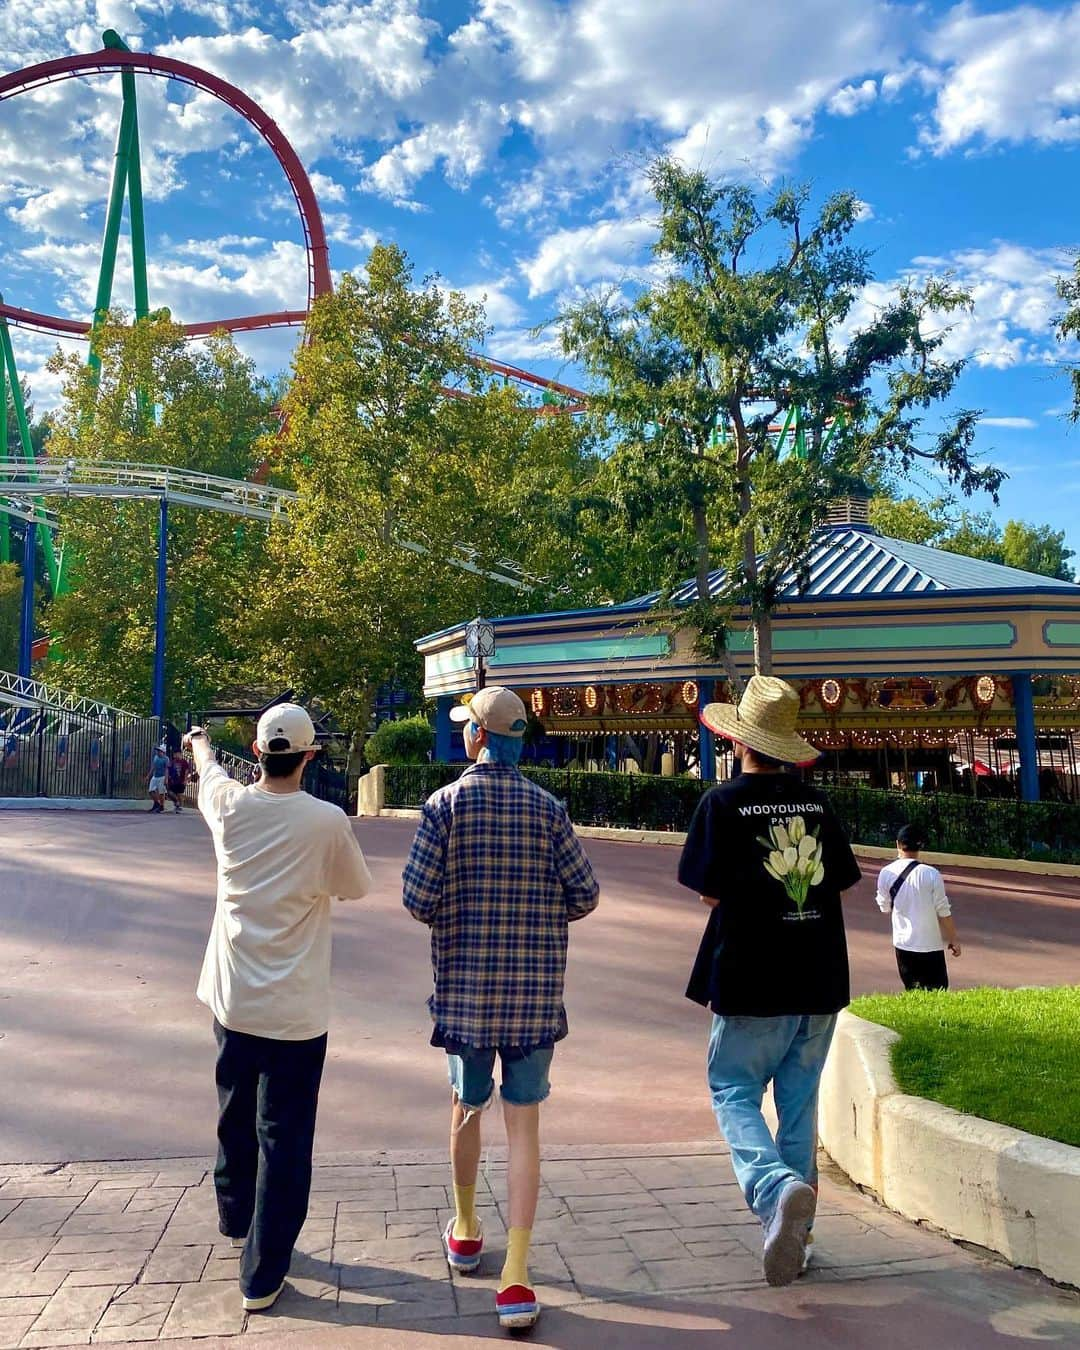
column 284, row 729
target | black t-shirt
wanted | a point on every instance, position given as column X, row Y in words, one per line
column 770, row 849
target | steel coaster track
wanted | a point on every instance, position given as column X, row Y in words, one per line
column 20, row 691
column 115, row 479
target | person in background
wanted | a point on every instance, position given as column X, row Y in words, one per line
column 282, row 855
column 176, row 779
column 159, row 765
column 769, row 858
column 913, row 892
column 498, row 873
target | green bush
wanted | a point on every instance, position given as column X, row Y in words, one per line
column 1047, row 831
column 409, row 740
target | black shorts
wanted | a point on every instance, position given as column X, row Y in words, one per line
column 922, row 970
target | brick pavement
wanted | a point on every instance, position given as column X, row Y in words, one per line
column 635, row 1238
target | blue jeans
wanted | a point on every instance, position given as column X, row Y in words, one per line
column 745, row 1054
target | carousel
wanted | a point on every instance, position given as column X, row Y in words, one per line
column 917, row 669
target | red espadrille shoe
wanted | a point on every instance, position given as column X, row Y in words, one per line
column 517, row 1307
column 463, row 1253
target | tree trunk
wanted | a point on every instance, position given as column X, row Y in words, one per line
column 701, row 540
column 763, row 645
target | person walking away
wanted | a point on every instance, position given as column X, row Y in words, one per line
column 497, row 872
column 913, row 892
column 156, row 786
column 176, row 780
column 281, row 856
column 769, row 859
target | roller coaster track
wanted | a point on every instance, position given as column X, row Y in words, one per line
column 21, row 482
column 18, row 691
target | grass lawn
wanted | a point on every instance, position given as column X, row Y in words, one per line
column 1010, row 1055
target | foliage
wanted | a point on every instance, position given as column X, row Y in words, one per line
column 210, row 413
column 694, row 370
column 400, row 486
column 408, row 740
column 10, row 614
column 953, row 823
column 1068, row 289
column 1031, row 548
column 39, row 427
column 1007, row 1055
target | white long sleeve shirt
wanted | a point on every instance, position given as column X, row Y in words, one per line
column 281, row 857
column 920, row 902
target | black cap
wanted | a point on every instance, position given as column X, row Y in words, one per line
column 910, row 836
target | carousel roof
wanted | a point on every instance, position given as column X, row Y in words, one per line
column 857, row 561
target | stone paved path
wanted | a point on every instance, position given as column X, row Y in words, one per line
column 636, row 1246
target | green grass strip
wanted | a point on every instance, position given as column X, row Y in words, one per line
column 1009, row 1055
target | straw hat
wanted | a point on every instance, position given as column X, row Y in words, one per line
column 764, row 720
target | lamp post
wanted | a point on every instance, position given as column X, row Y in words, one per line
column 479, row 643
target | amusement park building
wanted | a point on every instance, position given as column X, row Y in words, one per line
column 914, row 665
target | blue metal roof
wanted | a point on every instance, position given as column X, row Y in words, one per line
column 848, row 560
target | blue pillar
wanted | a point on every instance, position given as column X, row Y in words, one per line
column 443, row 728
column 158, row 708
column 706, row 739
column 26, row 618
column 1024, row 702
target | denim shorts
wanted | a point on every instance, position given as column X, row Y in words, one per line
column 524, row 1076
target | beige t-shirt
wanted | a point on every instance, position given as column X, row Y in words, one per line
column 280, row 856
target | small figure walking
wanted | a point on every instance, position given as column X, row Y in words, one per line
column 913, row 892
column 498, row 873
column 156, row 787
column 176, row 779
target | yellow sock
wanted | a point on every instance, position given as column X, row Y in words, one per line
column 516, row 1268
column 465, row 1223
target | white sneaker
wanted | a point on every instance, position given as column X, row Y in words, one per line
column 238, row 1242
column 786, row 1234
column 267, row 1300
column 808, row 1254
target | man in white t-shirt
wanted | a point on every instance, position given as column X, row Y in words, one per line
column 281, row 856
column 922, row 923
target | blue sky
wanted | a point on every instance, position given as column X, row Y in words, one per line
column 500, row 142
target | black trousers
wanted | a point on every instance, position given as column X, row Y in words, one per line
column 268, row 1094
column 922, row 970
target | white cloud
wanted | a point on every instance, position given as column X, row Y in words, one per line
column 1010, row 423
column 1008, row 76
column 853, row 98
column 606, row 251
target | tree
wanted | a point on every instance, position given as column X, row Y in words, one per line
column 1068, row 289
column 696, row 368
column 936, row 522
column 403, row 487
column 211, row 412
column 39, row 427
column 10, row 614
column 407, row 740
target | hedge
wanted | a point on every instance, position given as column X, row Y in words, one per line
column 1047, row 831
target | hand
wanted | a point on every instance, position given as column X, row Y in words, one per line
column 954, row 947
column 709, row 901
column 195, row 732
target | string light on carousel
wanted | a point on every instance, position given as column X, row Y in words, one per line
column 594, row 698
column 690, row 694
column 539, row 702
column 831, row 694
column 984, row 691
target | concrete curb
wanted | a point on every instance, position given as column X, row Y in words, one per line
column 1001, row 1188
column 72, row 804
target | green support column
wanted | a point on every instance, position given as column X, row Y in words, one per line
column 5, row 532
column 7, row 358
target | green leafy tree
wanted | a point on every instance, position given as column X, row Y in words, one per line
column 10, row 613
column 410, row 497
column 211, row 413
column 407, row 740
column 752, row 316
column 1068, row 289
column 937, row 522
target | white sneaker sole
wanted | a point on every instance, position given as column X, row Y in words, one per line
column 262, row 1304
column 785, row 1248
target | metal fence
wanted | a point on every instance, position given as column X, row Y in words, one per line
column 47, row 754
column 953, row 823
column 320, row 780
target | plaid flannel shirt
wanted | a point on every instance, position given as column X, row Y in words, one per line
column 497, row 872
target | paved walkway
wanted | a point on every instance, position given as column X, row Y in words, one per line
column 103, row 922
column 642, row 1247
